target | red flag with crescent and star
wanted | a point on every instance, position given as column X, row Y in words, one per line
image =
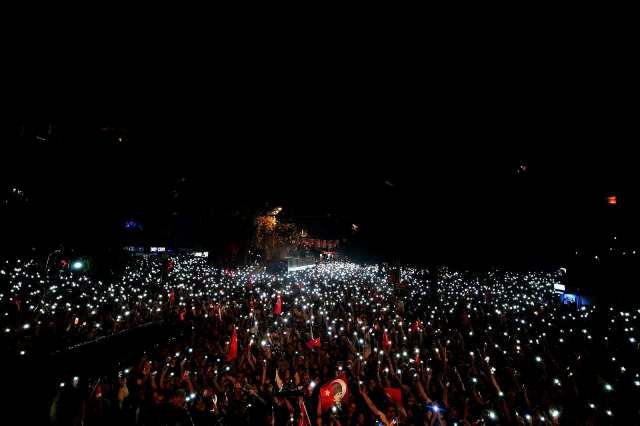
column 334, row 392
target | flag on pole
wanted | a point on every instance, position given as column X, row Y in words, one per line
column 233, row 346
column 277, row 310
column 304, row 419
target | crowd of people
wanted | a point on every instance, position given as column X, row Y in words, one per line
column 335, row 344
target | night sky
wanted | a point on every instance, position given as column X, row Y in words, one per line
column 412, row 198
column 425, row 155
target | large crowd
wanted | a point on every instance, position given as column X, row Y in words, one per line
column 335, row 344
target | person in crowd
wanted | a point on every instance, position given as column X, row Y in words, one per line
column 336, row 344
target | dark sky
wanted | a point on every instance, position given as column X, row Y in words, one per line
column 320, row 131
column 416, row 195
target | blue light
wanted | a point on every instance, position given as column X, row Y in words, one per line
column 77, row 265
column 132, row 225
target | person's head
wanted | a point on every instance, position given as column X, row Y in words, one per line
column 268, row 388
column 454, row 413
column 178, row 399
column 352, row 408
column 325, row 371
column 411, row 400
column 391, row 412
column 200, row 405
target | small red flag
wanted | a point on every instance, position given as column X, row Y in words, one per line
column 334, row 392
column 172, row 298
column 386, row 343
column 395, row 394
column 304, row 419
column 182, row 315
column 277, row 310
column 313, row 343
column 233, row 346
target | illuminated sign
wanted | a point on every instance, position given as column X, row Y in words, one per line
column 559, row 288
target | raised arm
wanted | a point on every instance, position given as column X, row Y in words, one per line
column 263, row 380
column 186, row 379
column 422, row 393
column 162, row 376
column 377, row 413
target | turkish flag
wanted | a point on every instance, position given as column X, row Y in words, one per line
column 313, row 343
column 172, row 298
column 233, row 346
column 415, row 327
column 386, row 343
column 334, row 392
column 394, row 394
column 277, row 310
